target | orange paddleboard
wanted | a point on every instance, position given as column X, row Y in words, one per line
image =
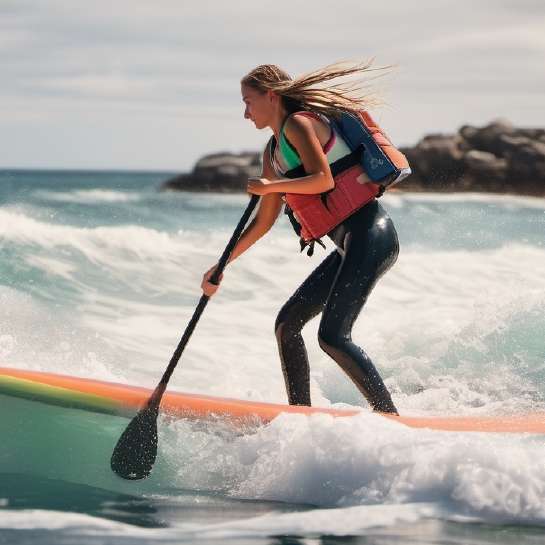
column 123, row 400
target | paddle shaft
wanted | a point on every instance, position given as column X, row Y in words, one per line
column 214, row 279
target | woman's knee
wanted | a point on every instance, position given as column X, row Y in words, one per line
column 286, row 324
column 329, row 338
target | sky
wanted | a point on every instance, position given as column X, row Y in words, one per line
column 141, row 85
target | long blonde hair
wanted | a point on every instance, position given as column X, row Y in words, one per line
column 307, row 91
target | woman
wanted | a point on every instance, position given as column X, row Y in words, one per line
column 366, row 243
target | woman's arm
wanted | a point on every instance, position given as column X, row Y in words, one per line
column 302, row 135
column 269, row 209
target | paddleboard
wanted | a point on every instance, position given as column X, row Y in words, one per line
column 125, row 400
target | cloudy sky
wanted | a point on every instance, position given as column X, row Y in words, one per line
column 154, row 85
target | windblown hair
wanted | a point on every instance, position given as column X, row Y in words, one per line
column 308, row 92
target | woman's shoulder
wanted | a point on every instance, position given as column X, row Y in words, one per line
column 307, row 122
column 304, row 118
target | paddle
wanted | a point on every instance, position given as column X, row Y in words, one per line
column 134, row 455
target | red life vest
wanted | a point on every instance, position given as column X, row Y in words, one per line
column 318, row 214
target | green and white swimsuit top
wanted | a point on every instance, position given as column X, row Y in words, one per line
column 285, row 157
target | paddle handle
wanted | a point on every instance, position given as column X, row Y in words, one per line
column 214, row 279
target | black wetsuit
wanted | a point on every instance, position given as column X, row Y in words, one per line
column 367, row 246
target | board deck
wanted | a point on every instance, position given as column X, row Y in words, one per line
column 124, row 400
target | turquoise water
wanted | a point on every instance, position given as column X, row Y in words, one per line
column 99, row 274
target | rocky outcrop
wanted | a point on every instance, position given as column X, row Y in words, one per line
column 496, row 158
column 222, row 172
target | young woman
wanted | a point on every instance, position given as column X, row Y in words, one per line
column 297, row 110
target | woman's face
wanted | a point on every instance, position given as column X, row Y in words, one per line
column 259, row 106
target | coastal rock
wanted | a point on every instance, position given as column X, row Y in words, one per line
column 497, row 157
column 221, row 172
column 437, row 161
column 487, row 138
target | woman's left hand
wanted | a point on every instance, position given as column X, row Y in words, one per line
column 259, row 186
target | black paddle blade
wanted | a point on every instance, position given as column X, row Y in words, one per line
column 136, row 450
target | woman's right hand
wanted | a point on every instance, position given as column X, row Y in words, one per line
column 207, row 287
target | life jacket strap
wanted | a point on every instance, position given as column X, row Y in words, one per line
column 303, row 243
column 297, row 228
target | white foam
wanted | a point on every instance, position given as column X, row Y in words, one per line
column 368, row 461
column 34, row 519
column 96, row 244
column 349, row 521
column 88, row 196
column 397, row 199
column 340, row 522
column 31, row 337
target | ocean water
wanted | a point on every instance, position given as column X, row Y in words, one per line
column 99, row 275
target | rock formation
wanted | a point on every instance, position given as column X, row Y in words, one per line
column 496, row 158
column 222, row 172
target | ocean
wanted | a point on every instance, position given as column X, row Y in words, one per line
column 99, row 275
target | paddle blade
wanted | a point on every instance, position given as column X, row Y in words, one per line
column 136, row 450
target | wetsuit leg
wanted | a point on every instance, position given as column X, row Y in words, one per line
column 306, row 303
column 370, row 248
